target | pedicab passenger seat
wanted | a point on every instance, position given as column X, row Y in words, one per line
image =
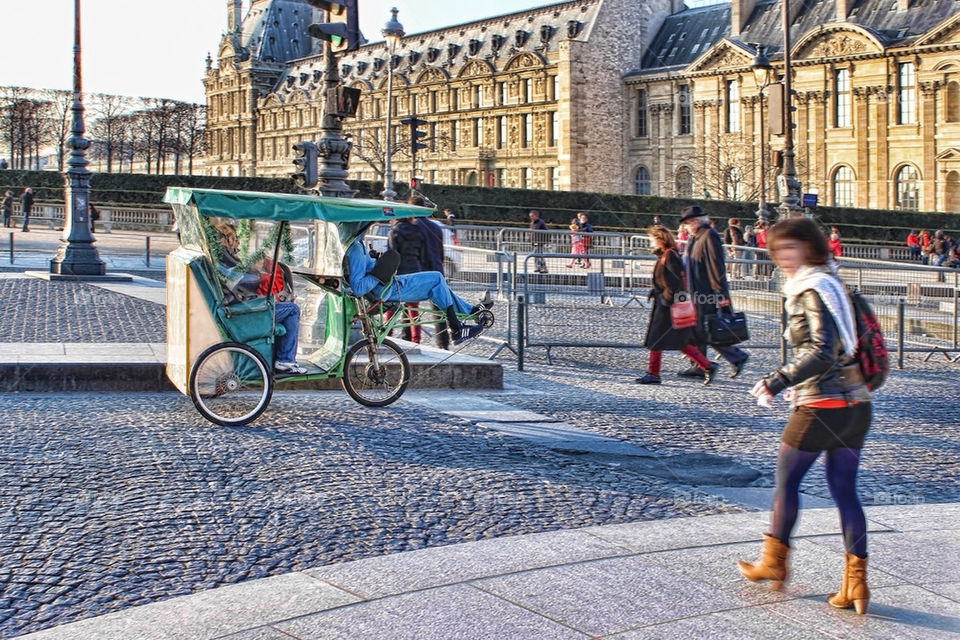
column 244, row 321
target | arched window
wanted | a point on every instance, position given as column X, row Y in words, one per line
column 733, row 184
column 843, row 187
column 642, row 182
column 684, row 182
column 907, row 184
column 953, row 101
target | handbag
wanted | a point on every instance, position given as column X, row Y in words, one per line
column 726, row 328
column 683, row 314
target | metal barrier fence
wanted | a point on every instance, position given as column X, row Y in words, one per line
column 607, row 307
column 137, row 250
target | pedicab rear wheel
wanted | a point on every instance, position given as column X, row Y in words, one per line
column 375, row 375
column 231, row 384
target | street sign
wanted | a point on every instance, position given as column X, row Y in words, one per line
column 809, row 200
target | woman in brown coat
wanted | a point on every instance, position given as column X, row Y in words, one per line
column 668, row 280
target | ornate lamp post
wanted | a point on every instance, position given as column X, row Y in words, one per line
column 790, row 186
column 76, row 255
column 763, row 74
column 392, row 31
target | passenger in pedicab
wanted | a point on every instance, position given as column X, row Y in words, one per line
column 255, row 281
column 412, row 287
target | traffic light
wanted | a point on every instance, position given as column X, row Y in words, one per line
column 343, row 28
column 306, row 162
column 415, row 133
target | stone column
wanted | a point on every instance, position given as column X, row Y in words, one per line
column 862, row 132
column 817, row 169
column 928, row 130
column 882, row 126
column 699, row 143
column 804, row 159
column 666, row 149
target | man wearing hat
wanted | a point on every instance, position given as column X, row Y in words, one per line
column 707, row 273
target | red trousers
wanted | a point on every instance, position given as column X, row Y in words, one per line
column 656, row 359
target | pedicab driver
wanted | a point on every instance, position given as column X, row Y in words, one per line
column 412, row 287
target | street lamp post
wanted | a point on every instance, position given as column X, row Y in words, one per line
column 790, row 190
column 76, row 255
column 392, row 31
column 762, row 72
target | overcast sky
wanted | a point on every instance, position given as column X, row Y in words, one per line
column 157, row 49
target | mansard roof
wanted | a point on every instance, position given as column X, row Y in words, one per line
column 483, row 46
column 685, row 35
column 275, row 31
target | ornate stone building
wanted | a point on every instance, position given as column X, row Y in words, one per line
column 529, row 99
column 877, row 102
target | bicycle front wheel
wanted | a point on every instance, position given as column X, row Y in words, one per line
column 231, row 384
column 375, row 375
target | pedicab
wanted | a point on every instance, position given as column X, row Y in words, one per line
column 222, row 331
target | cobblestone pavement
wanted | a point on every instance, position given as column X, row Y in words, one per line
column 42, row 311
column 110, row 501
column 147, row 501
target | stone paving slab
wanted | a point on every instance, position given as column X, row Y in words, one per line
column 459, row 612
column 428, row 568
column 609, row 596
column 212, row 613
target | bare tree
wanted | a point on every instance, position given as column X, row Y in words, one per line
column 369, row 145
column 107, row 129
column 58, row 121
column 11, row 108
column 190, row 126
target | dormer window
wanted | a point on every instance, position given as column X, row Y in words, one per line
column 520, row 37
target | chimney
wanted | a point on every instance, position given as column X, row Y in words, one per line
column 676, row 6
column 740, row 11
column 234, row 15
column 903, row 5
column 843, row 9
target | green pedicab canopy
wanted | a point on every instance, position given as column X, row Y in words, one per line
column 212, row 203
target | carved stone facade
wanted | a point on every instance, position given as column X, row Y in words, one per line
column 531, row 99
column 877, row 110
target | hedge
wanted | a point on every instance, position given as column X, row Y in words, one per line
column 501, row 206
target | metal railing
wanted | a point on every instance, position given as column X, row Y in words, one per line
column 918, row 307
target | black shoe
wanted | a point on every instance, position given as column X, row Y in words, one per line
column 710, row 373
column 465, row 332
column 738, row 367
column 649, row 379
column 693, row 372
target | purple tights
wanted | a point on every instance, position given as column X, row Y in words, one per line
column 792, row 466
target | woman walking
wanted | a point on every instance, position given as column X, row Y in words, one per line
column 831, row 407
column 668, row 280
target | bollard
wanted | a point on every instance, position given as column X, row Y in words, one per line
column 521, row 329
column 901, row 312
column 956, row 308
column 11, row 247
column 148, row 251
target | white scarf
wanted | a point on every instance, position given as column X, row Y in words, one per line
column 834, row 295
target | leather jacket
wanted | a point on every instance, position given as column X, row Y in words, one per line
column 819, row 370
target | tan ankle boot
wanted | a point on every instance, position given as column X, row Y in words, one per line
column 853, row 589
column 772, row 564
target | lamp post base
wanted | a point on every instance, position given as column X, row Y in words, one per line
column 77, row 259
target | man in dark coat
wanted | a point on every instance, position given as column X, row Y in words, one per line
column 7, row 208
column 406, row 239
column 433, row 261
column 539, row 240
column 708, row 284
column 26, row 206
